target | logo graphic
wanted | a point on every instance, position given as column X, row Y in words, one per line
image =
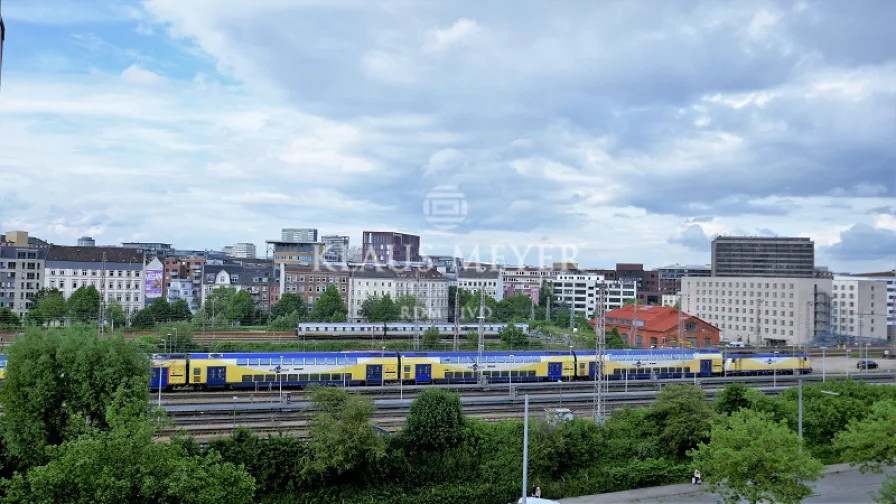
column 445, row 207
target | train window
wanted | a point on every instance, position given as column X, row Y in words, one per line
column 449, row 374
column 407, row 369
column 241, row 362
column 514, row 373
column 532, row 373
column 505, row 374
column 446, row 360
column 321, row 361
column 340, row 361
column 247, row 378
column 271, row 378
column 519, row 359
column 499, row 359
column 325, row 377
column 490, row 359
column 197, row 371
column 470, row 360
column 352, row 360
column 258, row 378
column 581, row 365
column 303, row 377
column 253, row 362
column 315, row 377
column 536, row 359
column 309, row 361
column 617, row 371
column 292, row 378
column 468, row 374
column 331, row 361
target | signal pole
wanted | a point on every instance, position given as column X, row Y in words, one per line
column 456, row 311
column 600, row 329
column 481, row 331
column 416, row 307
column 102, row 322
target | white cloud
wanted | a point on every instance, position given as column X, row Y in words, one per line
column 135, row 74
column 464, row 31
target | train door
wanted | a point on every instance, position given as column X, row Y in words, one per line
column 216, row 376
column 555, row 370
column 424, row 373
column 374, row 374
column 159, row 375
column 705, row 366
column 591, row 366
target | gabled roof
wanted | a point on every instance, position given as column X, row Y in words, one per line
column 655, row 318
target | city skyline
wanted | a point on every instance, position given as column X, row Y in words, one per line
column 634, row 141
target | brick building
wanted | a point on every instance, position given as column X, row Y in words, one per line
column 184, row 268
column 658, row 326
column 310, row 282
column 385, row 247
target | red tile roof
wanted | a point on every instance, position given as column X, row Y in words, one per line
column 655, row 318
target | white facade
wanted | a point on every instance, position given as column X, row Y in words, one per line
column 580, row 291
column 182, row 289
column 242, row 250
column 431, row 291
column 670, row 299
column 491, row 281
column 222, row 279
column 124, row 282
column 860, row 306
column 760, row 310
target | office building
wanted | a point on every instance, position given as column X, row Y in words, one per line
column 761, row 310
column 335, row 248
column 298, row 234
column 579, row 290
column 670, row 276
column 70, row 268
column 762, row 256
column 661, row 327
column 151, row 248
column 242, row 251
column 86, row 241
column 385, row 247
column 21, row 271
column 296, row 252
column 890, row 278
column 429, row 286
column 860, row 306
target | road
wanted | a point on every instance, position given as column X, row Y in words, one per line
column 842, row 484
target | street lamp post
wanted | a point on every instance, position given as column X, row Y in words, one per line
column 383, row 374
column 510, row 378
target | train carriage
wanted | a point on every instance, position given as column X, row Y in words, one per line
column 496, row 367
column 767, row 363
column 266, row 370
column 640, row 364
column 168, row 370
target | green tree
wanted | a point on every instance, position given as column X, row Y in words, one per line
column 115, row 314
column 125, row 464
column 470, row 311
column 683, row 418
column 379, row 309
column 435, row 421
column 58, row 381
column 289, row 302
column 180, row 310
column 405, row 306
column 8, row 319
column 143, row 319
column 342, row 438
column 870, row 444
column 513, row 336
column 462, row 297
column 216, row 303
column 431, row 338
column 33, row 315
column 614, row 340
column 732, row 398
column 632, row 301
column 84, row 304
column 241, row 307
column 751, row 457
column 160, row 310
column 329, row 307
column 516, row 307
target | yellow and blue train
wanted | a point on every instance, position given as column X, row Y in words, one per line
column 256, row 370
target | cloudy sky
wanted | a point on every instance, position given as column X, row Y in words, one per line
column 631, row 131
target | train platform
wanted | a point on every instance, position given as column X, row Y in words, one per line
column 840, row 483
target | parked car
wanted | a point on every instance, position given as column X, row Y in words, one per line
column 866, row 364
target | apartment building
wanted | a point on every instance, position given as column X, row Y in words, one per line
column 386, row 247
column 859, row 307
column 761, row 310
column 69, row 268
column 258, row 277
column 580, row 290
column 182, row 289
column 762, row 256
column 310, row 282
column 335, row 248
column 21, row 275
column 491, row 280
column 525, row 280
column 188, row 268
column 429, row 286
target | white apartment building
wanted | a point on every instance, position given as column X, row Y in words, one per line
column 760, row 310
column 859, row 307
column 579, row 290
column 182, row 288
column 890, row 278
column 21, row 274
column 69, row 268
column 429, row 286
column 241, row 250
column 521, row 280
column 491, row 280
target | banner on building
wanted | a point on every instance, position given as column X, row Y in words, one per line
column 534, row 294
column 153, row 284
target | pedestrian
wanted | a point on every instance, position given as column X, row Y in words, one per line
column 538, row 491
column 696, row 479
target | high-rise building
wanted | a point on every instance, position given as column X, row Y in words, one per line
column 386, row 246
column 670, row 276
column 335, row 248
column 763, row 256
column 298, row 234
column 86, row 241
column 243, row 251
column 862, row 306
column 890, row 278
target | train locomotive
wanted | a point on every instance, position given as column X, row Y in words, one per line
column 301, row 369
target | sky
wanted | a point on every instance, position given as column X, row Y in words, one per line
column 599, row 131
